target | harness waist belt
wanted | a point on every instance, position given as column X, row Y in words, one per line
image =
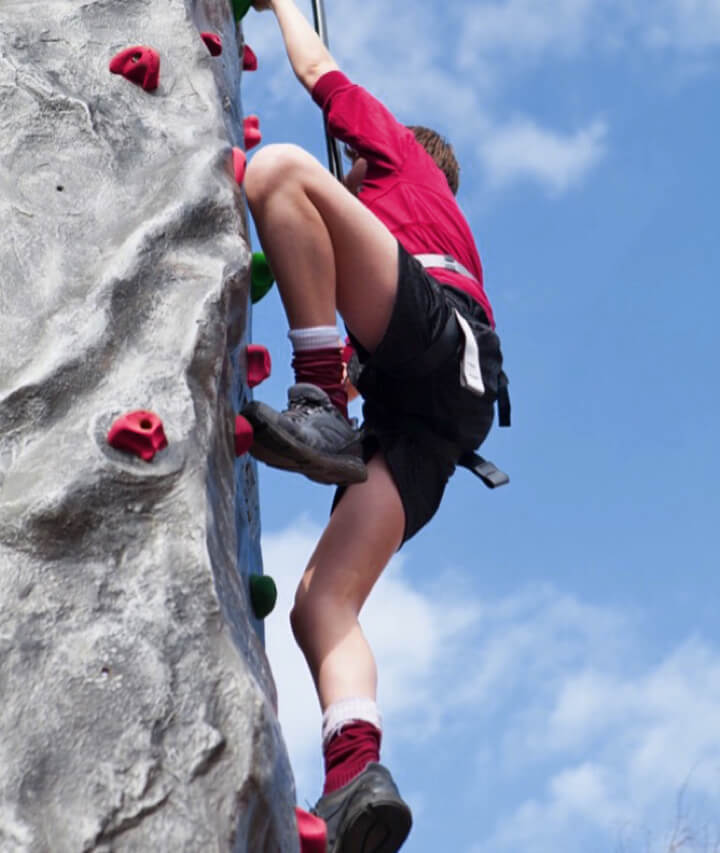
column 446, row 262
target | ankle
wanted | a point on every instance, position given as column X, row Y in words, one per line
column 349, row 752
column 352, row 732
column 323, row 367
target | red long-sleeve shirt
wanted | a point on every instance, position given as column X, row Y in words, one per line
column 403, row 187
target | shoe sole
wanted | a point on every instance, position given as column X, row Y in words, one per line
column 279, row 449
column 379, row 828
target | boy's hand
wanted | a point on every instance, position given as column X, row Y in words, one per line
column 309, row 57
column 355, row 177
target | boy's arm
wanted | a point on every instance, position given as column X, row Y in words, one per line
column 353, row 115
column 309, row 57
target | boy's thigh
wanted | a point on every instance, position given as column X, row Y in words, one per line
column 365, row 253
column 366, row 260
column 419, row 315
column 419, row 477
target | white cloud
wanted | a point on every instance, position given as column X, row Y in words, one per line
column 684, row 24
column 615, row 746
column 593, row 739
column 524, row 150
column 524, row 28
column 522, row 31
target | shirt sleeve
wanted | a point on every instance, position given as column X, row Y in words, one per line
column 357, row 118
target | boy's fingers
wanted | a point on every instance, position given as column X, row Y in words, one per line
column 353, row 180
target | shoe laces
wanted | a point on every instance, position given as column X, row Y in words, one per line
column 303, row 404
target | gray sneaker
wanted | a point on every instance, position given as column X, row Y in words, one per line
column 367, row 815
column 311, row 436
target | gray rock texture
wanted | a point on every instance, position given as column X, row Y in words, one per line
column 137, row 708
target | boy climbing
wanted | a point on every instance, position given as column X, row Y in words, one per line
column 431, row 372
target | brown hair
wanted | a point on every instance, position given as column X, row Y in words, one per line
column 442, row 153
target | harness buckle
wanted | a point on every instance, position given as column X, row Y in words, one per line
column 489, row 473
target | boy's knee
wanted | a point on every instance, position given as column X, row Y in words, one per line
column 295, row 621
column 314, row 609
column 304, row 607
column 272, row 167
column 301, row 621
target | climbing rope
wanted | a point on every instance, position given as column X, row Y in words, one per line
column 334, row 156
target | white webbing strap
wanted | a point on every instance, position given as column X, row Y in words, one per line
column 446, row 262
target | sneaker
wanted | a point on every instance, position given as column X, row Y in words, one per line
column 311, row 436
column 367, row 815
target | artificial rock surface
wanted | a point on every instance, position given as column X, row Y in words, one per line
column 137, row 708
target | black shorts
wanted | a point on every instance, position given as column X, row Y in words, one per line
column 404, row 408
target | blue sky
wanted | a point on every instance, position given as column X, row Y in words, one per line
column 549, row 654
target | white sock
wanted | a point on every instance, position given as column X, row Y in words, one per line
column 315, row 337
column 342, row 713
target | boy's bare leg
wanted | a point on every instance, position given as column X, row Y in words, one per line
column 363, row 533
column 326, row 249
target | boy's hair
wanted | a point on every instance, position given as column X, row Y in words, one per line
column 442, row 153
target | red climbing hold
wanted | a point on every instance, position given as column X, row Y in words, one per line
column 239, row 165
column 258, row 364
column 253, row 136
column 348, row 351
column 140, row 65
column 312, row 832
column 244, row 435
column 250, row 62
column 141, row 433
column 213, row 42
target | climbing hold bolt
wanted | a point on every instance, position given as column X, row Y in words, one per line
column 262, row 277
column 240, row 8
column 141, row 433
column 312, row 831
column 244, row 435
column 140, row 65
column 253, row 136
column 258, row 364
column 239, row 165
column 263, row 595
column 250, row 61
column 213, row 42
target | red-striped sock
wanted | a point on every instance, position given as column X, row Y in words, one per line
column 324, row 368
column 349, row 753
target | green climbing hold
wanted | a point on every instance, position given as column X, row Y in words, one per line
column 240, row 8
column 262, row 277
column 263, row 595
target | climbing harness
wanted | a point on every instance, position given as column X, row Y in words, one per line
column 446, row 262
column 487, row 471
column 333, row 149
column 442, row 348
column 444, row 342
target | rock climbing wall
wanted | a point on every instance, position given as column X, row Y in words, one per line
column 137, row 708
